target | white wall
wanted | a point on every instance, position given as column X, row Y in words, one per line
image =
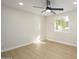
column 63, row 37
column 18, row 28
column 43, row 27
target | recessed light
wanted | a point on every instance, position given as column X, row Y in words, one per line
column 74, row 3
column 20, row 3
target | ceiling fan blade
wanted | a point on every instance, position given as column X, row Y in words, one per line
column 53, row 12
column 43, row 11
column 38, row 7
column 61, row 9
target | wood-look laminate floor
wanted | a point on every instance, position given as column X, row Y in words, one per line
column 45, row 50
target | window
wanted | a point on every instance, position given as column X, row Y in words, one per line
column 62, row 24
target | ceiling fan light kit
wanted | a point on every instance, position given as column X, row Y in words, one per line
column 48, row 11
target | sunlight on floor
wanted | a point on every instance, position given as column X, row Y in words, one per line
column 38, row 41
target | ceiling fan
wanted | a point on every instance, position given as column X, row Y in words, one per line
column 48, row 8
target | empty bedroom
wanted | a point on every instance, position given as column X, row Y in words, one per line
column 38, row 29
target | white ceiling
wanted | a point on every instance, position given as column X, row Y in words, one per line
column 66, row 4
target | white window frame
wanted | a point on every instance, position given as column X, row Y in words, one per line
column 63, row 30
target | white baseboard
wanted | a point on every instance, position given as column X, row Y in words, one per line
column 33, row 42
column 66, row 43
column 12, row 48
